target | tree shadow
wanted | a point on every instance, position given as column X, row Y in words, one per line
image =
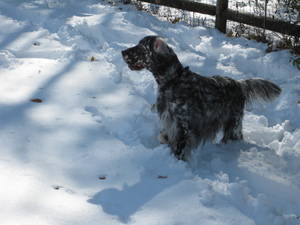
column 16, row 115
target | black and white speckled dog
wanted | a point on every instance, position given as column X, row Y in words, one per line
column 191, row 107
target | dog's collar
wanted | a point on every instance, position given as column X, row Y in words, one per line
column 171, row 77
column 166, row 79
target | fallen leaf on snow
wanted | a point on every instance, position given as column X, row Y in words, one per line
column 56, row 187
column 37, row 100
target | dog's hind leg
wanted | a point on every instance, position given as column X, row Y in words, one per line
column 233, row 129
column 236, row 133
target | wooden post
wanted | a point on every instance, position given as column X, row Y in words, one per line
column 264, row 25
column 221, row 18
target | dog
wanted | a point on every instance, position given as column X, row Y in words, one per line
column 193, row 108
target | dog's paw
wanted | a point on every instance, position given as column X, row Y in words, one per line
column 163, row 138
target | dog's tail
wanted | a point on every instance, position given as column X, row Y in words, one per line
column 259, row 89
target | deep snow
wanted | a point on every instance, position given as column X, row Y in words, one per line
column 88, row 153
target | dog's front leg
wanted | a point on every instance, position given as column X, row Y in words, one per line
column 181, row 140
column 163, row 137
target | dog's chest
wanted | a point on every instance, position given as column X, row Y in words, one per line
column 170, row 105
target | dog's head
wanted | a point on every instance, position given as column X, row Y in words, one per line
column 151, row 50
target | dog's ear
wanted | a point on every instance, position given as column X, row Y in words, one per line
column 160, row 46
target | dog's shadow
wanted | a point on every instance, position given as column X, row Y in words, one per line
column 125, row 202
column 122, row 203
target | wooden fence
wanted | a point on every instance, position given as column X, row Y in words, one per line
column 223, row 13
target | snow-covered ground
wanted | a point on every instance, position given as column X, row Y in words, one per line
column 88, row 153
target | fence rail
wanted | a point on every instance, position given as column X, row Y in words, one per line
column 223, row 14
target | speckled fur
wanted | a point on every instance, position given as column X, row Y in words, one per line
column 193, row 108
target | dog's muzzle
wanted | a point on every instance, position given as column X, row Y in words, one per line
column 132, row 65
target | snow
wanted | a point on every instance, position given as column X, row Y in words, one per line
column 88, row 153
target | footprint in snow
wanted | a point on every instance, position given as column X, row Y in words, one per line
column 95, row 113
